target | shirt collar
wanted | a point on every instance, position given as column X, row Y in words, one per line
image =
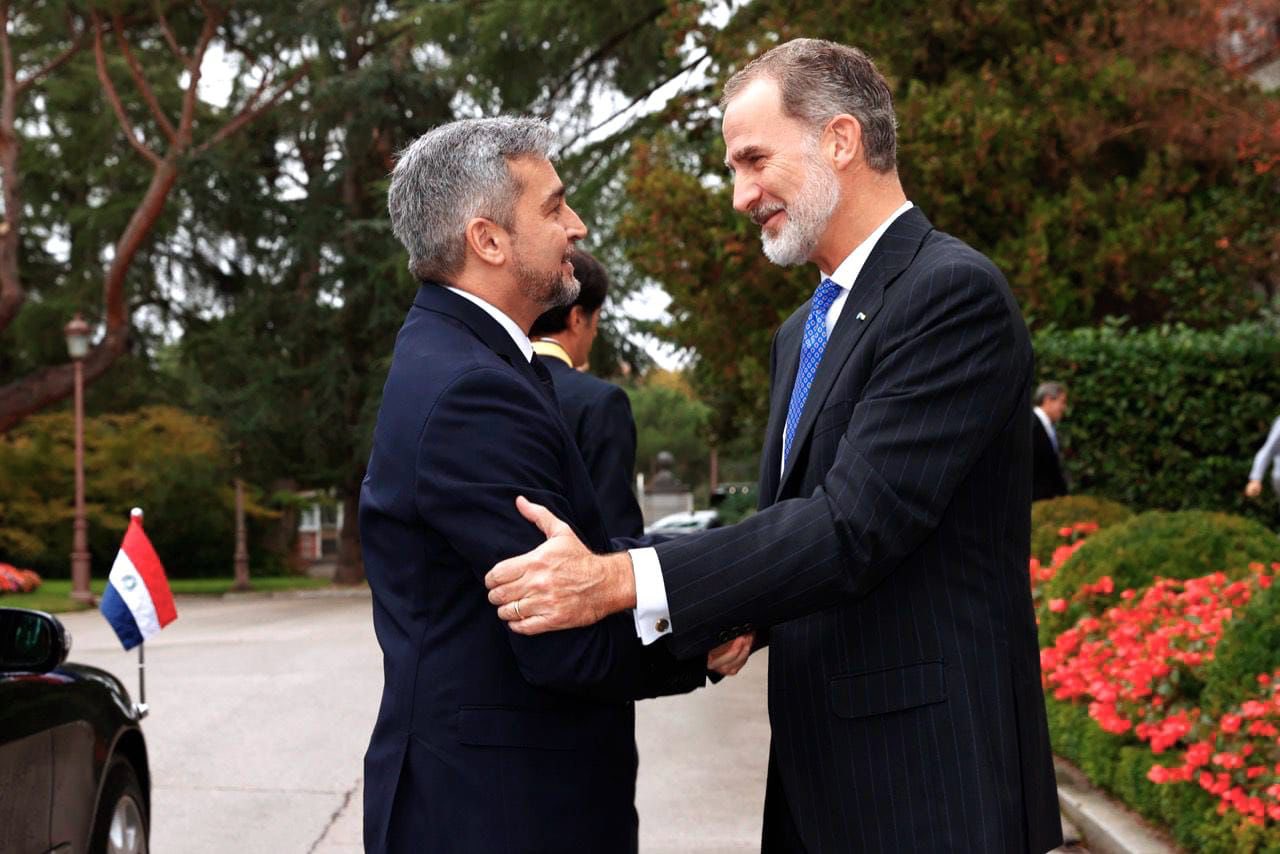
column 552, row 349
column 847, row 273
column 516, row 333
column 1044, row 419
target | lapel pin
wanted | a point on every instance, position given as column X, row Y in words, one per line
column 861, row 316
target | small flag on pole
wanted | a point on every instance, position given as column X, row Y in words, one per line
column 137, row 602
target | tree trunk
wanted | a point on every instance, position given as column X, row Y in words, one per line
column 350, row 564
column 281, row 536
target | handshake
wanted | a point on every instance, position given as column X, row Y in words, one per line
column 562, row 584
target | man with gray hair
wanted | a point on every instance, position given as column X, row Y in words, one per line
column 888, row 563
column 1048, row 480
column 487, row 740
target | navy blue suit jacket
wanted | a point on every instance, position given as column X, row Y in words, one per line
column 487, row 740
column 890, row 562
column 599, row 417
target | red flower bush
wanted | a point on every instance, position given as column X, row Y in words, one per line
column 1128, row 666
column 14, row 580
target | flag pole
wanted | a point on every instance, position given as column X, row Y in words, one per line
column 141, row 706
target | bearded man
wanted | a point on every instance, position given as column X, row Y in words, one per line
column 487, row 740
column 888, row 564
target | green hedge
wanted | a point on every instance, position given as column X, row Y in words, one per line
column 1250, row 645
column 1119, row 764
column 1053, row 514
column 1166, row 418
column 1183, row 544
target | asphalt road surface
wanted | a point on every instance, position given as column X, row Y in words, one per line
column 261, row 709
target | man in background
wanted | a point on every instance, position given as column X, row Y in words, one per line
column 598, row 413
column 1048, row 480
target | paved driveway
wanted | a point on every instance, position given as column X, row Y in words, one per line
column 262, row 707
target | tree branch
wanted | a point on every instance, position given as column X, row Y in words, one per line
column 207, row 33
column 603, row 50
column 114, row 97
column 12, row 295
column 170, row 38
column 693, row 63
column 249, row 113
column 77, row 44
column 144, row 88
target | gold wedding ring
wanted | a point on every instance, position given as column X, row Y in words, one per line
column 516, row 605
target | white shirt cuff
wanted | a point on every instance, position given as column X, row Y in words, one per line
column 652, row 615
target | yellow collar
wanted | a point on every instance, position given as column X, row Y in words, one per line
column 548, row 347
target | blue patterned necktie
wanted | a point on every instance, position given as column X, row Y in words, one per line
column 815, row 341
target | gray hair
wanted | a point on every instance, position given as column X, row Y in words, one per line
column 452, row 174
column 1048, row 391
column 820, row 80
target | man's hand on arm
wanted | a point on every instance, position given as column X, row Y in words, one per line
column 561, row 584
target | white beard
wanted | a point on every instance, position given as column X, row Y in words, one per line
column 807, row 215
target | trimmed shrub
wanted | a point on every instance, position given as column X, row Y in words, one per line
column 1183, row 545
column 1250, row 645
column 1166, row 418
column 1119, row 765
column 1049, row 517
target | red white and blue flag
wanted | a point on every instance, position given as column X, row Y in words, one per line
column 137, row 602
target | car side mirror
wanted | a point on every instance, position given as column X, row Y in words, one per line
column 31, row 641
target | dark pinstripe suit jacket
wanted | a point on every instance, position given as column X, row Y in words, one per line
column 890, row 563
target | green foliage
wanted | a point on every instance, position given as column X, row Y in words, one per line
column 1146, row 190
column 1053, row 514
column 1119, row 765
column 1167, row 417
column 1250, row 645
column 668, row 418
column 1183, row 544
column 173, row 465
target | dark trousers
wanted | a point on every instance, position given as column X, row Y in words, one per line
column 779, row 835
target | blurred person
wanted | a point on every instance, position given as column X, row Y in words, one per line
column 1268, row 455
column 1048, row 478
column 598, row 413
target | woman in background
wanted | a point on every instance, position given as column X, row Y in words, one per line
column 1268, row 454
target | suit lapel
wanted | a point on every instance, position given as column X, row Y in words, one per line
column 786, row 362
column 892, row 254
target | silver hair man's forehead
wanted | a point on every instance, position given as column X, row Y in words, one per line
column 453, row 173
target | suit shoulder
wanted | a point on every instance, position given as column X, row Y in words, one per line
column 587, row 388
column 942, row 252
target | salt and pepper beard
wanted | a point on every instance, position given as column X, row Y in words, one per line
column 549, row 290
column 807, row 215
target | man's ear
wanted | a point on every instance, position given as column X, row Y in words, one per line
column 490, row 242
column 842, row 141
column 577, row 319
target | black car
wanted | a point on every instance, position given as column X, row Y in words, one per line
column 73, row 762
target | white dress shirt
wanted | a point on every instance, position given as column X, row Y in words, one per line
column 652, row 609
column 513, row 329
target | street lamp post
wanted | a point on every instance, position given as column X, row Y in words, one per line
column 77, row 333
column 242, row 548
